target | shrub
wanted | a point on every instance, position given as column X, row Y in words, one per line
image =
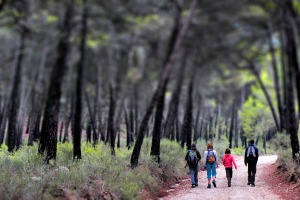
column 23, row 174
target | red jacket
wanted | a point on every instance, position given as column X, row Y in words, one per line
column 228, row 160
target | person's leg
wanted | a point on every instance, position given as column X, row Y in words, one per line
column 196, row 176
column 249, row 174
column 208, row 170
column 228, row 176
column 253, row 175
column 214, row 173
column 192, row 175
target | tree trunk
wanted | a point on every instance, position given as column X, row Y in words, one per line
column 173, row 106
column 127, row 124
column 276, row 77
column 15, row 97
column 291, row 53
column 231, row 131
column 61, row 131
column 156, row 134
column 48, row 140
column 196, row 126
column 188, row 115
column 265, row 91
column 167, row 69
column 78, row 101
column 111, row 121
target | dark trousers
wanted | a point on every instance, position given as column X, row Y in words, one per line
column 229, row 175
column 251, row 173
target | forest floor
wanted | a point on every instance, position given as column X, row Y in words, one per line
column 269, row 184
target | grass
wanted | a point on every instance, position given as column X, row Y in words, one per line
column 24, row 176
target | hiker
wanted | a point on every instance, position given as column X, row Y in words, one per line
column 251, row 157
column 192, row 157
column 211, row 163
column 228, row 160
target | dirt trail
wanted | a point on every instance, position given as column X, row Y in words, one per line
column 238, row 190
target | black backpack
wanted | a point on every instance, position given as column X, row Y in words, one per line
column 192, row 160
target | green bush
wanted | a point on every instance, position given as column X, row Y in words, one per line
column 23, row 174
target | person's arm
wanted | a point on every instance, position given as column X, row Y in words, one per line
column 233, row 161
column 198, row 155
column 256, row 153
column 205, row 155
column 187, row 155
column 245, row 156
column 216, row 157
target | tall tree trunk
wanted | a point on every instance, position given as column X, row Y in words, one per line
column 48, row 140
column 266, row 93
column 61, row 131
column 167, row 69
column 293, row 54
column 78, row 103
column 38, row 100
column 111, row 121
column 173, row 108
column 196, row 126
column 231, row 131
column 292, row 64
column 188, row 115
column 15, row 96
column 156, row 134
column 66, row 130
column 276, row 77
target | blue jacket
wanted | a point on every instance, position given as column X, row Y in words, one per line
column 251, row 159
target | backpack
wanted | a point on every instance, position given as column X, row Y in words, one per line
column 210, row 158
column 251, row 151
column 192, row 160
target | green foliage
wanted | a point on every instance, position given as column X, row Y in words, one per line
column 52, row 18
column 24, row 175
column 141, row 22
column 99, row 40
column 238, row 151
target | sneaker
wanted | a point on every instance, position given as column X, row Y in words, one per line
column 193, row 186
column 252, row 185
column 229, row 185
column 214, row 183
column 248, row 183
column 209, row 186
column 196, row 185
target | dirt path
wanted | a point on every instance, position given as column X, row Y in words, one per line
column 239, row 189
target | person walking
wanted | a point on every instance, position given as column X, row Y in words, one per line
column 211, row 163
column 192, row 157
column 228, row 160
column 250, row 159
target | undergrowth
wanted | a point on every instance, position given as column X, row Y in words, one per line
column 285, row 163
column 23, row 174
